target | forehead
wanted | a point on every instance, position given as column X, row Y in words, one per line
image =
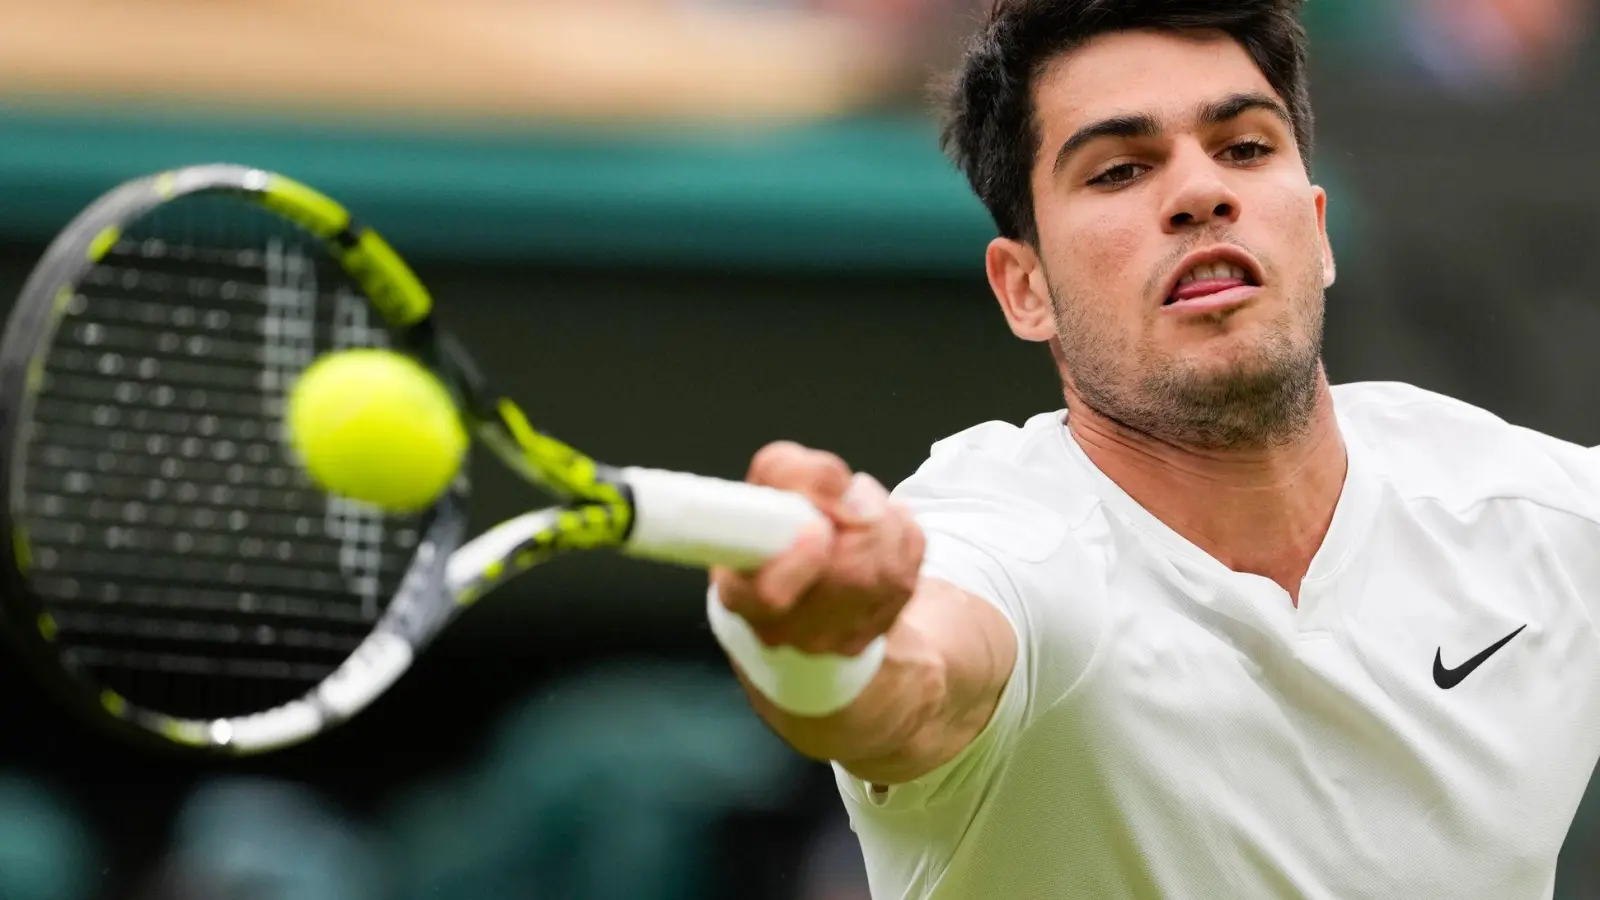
column 1164, row 74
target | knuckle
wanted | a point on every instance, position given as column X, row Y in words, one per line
column 813, row 546
column 772, row 460
column 853, row 574
column 769, row 605
column 734, row 593
column 879, row 561
column 779, row 588
column 828, row 464
column 772, row 634
column 792, row 466
column 756, row 605
column 825, row 479
column 906, row 574
column 726, row 581
column 913, row 546
column 902, row 520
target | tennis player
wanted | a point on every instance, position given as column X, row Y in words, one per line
column 1216, row 630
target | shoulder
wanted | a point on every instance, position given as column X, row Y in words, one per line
column 996, row 459
column 1440, row 449
column 986, row 447
column 1005, row 487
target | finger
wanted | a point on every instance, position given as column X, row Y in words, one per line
column 817, row 475
column 890, row 546
column 743, row 595
column 781, row 582
column 773, row 589
column 884, row 552
column 864, row 501
column 738, row 593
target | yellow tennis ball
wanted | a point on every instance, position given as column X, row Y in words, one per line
column 376, row 426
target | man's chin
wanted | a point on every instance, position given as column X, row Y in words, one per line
column 1245, row 371
column 1223, row 362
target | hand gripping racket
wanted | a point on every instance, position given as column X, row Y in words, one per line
column 170, row 567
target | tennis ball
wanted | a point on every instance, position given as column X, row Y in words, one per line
column 376, row 426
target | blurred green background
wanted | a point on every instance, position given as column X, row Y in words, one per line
column 741, row 208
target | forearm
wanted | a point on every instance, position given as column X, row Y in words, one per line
column 903, row 699
column 946, row 660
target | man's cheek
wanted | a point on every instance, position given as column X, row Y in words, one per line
column 1109, row 254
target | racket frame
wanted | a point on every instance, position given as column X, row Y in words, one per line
column 417, row 611
column 663, row 516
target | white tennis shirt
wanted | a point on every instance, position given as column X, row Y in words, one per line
column 1174, row 729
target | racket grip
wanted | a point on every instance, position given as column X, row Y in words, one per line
column 698, row 521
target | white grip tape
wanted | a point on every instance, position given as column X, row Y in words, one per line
column 699, row 521
column 804, row 684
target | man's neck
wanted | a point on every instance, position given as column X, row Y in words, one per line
column 1264, row 512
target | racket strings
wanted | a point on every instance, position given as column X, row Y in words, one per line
column 173, row 539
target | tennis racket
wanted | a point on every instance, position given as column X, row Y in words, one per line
column 170, row 568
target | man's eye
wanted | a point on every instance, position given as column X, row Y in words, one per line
column 1248, row 151
column 1117, row 175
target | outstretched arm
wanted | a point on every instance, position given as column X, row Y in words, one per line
column 929, row 660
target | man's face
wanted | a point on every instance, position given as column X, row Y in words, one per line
column 1166, row 158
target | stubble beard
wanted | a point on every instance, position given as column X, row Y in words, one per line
column 1263, row 401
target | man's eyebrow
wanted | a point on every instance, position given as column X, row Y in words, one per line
column 1144, row 125
column 1138, row 125
column 1236, row 105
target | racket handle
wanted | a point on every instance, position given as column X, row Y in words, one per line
column 698, row 521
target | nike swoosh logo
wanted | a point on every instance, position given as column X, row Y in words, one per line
column 1449, row 678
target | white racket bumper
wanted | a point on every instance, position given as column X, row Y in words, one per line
column 376, row 664
column 269, row 730
column 699, row 521
column 372, row 669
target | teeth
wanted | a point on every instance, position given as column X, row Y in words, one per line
column 1206, row 271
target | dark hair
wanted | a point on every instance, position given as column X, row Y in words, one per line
column 989, row 129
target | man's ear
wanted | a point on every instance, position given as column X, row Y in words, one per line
column 1329, row 268
column 1018, row 282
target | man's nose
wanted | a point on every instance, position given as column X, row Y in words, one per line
column 1201, row 195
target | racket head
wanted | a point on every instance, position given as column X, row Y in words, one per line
column 153, row 517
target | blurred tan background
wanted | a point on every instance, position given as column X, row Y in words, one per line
column 455, row 59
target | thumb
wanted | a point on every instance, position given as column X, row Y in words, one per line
column 864, row 501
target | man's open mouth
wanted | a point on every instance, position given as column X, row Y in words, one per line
column 1210, row 278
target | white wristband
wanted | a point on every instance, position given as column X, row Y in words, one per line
column 804, row 684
